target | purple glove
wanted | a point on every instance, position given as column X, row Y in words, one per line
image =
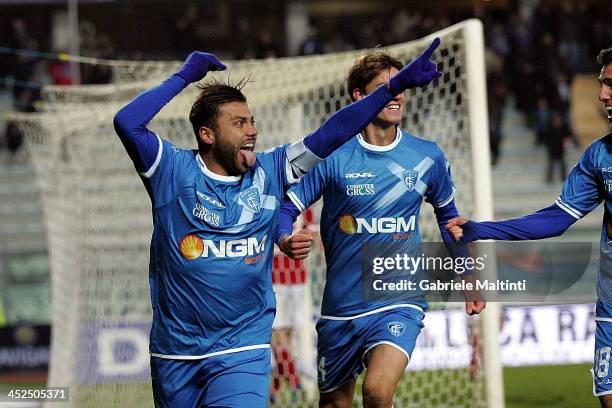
column 419, row 72
column 197, row 66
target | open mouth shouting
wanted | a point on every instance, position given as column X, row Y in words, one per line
column 247, row 153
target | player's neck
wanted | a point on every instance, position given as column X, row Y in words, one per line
column 213, row 166
column 378, row 136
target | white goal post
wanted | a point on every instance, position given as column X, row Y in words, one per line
column 98, row 221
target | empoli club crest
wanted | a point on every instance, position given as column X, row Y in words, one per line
column 396, row 328
column 410, row 178
column 251, row 199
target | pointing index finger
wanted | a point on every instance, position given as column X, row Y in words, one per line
column 432, row 47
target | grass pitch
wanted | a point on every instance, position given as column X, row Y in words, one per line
column 565, row 386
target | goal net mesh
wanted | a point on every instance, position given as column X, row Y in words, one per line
column 99, row 225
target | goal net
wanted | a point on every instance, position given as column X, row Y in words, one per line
column 97, row 215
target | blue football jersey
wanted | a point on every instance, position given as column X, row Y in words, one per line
column 371, row 195
column 590, row 183
column 211, row 253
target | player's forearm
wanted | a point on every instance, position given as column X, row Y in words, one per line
column 443, row 215
column 288, row 214
column 546, row 223
column 131, row 121
column 347, row 122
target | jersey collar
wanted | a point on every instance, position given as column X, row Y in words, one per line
column 375, row 148
column 215, row 176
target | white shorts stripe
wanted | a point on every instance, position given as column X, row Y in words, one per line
column 217, row 353
column 371, row 312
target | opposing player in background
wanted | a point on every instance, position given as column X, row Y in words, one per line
column 589, row 183
column 383, row 173
column 215, row 222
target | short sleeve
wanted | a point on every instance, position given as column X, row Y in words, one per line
column 441, row 189
column 581, row 192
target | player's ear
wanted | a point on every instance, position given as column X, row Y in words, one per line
column 206, row 135
column 357, row 94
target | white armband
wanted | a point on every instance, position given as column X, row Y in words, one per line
column 300, row 161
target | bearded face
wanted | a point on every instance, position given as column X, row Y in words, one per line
column 232, row 141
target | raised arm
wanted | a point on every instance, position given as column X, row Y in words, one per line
column 351, row 119
column 131, row 121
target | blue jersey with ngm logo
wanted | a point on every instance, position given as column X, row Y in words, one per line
column 589, row 183
column 371, row 195
column 211, row 253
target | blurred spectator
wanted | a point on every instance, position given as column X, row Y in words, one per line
column 568, row 34
column 185, row 27
column 520, row 49
column 498, row 41
column 402, row 24
column 266, row 45
column 542, row 120
column 497, row 104
column 95, row 44
column 59, row 71
column 23, row 70
column 19, row 34
column 245, row 40
column 312, row 44
column 556, row 137
column 14, row 138
column 563, row 102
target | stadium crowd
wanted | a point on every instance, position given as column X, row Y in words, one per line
column 23, row 74
column 544, row 46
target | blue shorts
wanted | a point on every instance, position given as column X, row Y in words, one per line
column 602, row 372
column 343, row 344
column 228, row 380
